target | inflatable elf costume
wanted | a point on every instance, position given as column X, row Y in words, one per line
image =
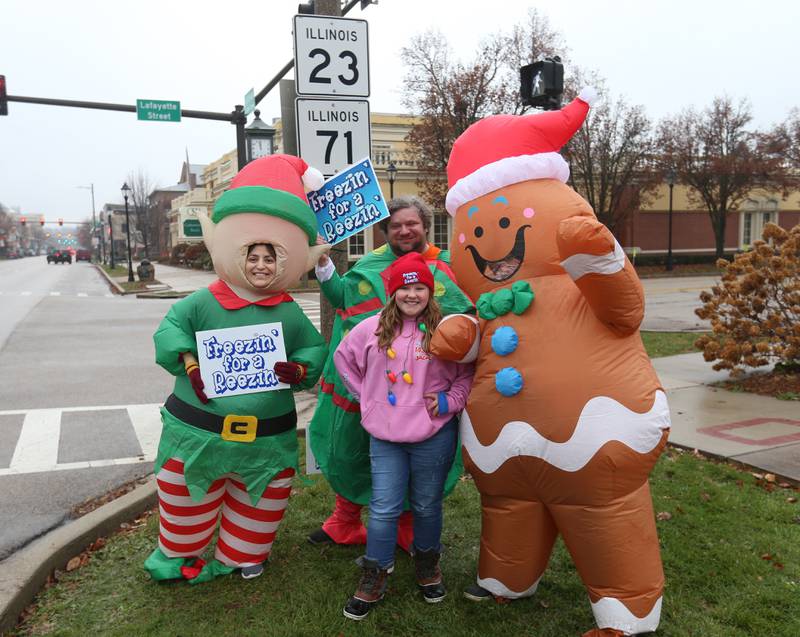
column 237, row 453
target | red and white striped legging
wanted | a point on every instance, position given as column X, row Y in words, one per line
column 246, row 532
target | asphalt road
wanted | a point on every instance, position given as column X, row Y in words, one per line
column 79, row 389
column 670, row 303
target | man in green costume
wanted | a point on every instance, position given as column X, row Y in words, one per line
column 339, row 443
column 237, row 453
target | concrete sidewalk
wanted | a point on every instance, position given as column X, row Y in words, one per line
column 758, row 431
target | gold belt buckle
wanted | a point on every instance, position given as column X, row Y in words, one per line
column 239, row 428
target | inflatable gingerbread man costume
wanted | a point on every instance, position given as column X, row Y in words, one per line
column 566, row 417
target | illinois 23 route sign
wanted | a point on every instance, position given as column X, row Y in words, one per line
column 331, row 56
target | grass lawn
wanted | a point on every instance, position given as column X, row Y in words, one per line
column 731, row 552
column 660, row 344
column 118, row 270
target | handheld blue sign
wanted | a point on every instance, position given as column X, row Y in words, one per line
column 348, row 202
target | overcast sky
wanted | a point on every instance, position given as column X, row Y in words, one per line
column 664, row 54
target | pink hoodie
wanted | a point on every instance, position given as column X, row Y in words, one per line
column 363, row 368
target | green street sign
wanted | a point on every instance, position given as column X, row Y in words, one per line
column 158, row 111
column 192, row 228
column 249, row 102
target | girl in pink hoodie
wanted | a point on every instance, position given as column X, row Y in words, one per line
column 409, row 405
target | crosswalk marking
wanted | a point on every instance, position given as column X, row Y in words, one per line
column 146, row 421
column 55, row 293
column 37, row 447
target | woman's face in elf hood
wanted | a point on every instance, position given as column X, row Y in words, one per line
column 232, row 238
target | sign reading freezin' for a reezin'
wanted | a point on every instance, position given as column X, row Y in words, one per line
column 158, row 111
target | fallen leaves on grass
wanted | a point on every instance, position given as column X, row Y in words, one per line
column 785, row 386
column 93, row 503
column 769, row 557
column 663, row 516
column 74, row 563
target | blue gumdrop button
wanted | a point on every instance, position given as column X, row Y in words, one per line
column 508, row 381
column 504, row 340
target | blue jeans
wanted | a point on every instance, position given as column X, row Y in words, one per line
column 419, row 468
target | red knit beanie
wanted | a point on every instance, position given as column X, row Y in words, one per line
column 408, row 269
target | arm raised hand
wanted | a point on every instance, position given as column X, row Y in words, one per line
column 596, row 262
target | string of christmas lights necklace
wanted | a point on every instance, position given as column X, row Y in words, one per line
column 391, row 354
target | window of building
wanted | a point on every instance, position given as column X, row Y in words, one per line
column 441, row 230
column 756, row 215
column 356, row 246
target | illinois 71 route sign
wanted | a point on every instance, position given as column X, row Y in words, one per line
column 332, row 134
column 331, row 56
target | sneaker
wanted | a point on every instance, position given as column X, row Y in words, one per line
column 429, row 575
column 371, row 588
column 320, row 537
column 249, row 572
column 477, row 593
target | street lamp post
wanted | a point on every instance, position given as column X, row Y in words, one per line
column 671, row 184
column 259, row 137
column 111, row 240
column 391, row 171
column 125, row 190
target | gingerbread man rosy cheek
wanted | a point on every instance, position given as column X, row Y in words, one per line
column 566, row 417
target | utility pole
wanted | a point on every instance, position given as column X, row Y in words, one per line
column 338, row 253
column 111, row 239
column 94, row 223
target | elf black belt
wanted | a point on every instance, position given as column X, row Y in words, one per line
column 232, row 427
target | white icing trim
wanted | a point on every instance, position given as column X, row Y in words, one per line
column 580, row 264
column 602, row 420
column 325, row 272
column 472, row 354
column 504, row 172
column 498, row 589
column 612, row 613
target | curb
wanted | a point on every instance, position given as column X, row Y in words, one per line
column 117, row 288
column 24, row 573
column 737, row 464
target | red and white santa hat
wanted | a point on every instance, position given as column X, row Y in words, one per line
column 501, row 150
column 273, row 185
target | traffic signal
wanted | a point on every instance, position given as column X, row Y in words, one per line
column 60, row 221
column 3, row 96
column 41, row 221
column 542, row 83
column 23, row 220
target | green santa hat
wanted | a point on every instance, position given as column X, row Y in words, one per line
column 274, row 185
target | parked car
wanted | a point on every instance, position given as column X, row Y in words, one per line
column 59, row 256
column 82, row 254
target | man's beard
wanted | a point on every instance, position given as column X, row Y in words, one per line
column 417, row 246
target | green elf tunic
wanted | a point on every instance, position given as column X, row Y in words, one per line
column 338, row 441
column 206, row 456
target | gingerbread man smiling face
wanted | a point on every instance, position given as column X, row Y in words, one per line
column 510, row 234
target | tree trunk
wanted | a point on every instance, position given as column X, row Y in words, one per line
column 718, row 222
